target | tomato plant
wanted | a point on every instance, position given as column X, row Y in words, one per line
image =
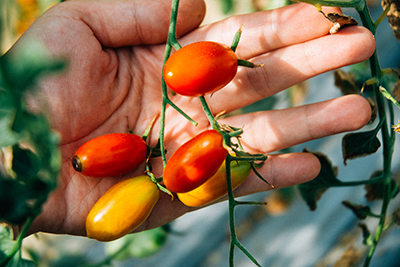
column 122, row 208
column 194, row 162
column 200, row 68
column 216, row 187
column 110, row 155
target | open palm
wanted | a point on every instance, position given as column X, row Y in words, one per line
column 113, row 81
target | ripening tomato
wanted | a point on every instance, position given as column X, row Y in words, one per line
column 216, row 187
column 110, row 155
column 122, row 208
column 194, row 162
column 200, row 68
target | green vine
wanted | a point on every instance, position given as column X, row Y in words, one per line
column 382, row 97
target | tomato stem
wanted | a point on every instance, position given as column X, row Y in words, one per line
column 232, row 203
column 248, row 64
column 260, row 176
column 250, row 203
column 209, row 114
column 17, row 245
column 171, row 42
column 236, row 38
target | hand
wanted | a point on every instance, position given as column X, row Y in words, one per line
column 115, row 52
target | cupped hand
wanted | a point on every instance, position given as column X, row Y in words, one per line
column 115, row 51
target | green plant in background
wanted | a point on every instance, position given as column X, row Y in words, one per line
column 30, row 152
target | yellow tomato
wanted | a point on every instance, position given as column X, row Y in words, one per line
column 122, row 208
column 216, row 187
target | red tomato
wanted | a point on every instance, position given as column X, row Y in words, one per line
column 110, row 155
column 194, row 162
column 122, row 208
column 200, row 68
column 216, row 187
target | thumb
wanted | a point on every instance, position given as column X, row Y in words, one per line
column 125, row 23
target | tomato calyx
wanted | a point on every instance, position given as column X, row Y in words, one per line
column 248, row 64
column 235, row 43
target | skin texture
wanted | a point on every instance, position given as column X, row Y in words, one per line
column 115, row 53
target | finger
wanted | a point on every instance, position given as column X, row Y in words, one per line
column 124, row 23
column 282, row 171
column 288, row 66
column 267, row 30
column 269, row 131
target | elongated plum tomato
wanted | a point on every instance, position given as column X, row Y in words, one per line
column 194, row 162
column 122, row 208
column 110, row 155
column 216, row 187
column 200, row 68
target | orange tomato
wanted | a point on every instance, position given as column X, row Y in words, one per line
column 216, row 187
column 122, row 208
column 200, row 68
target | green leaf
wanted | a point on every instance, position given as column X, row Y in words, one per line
column 25, row 164
column 23, row 66
column 360, row 144
column 14, row 206
column 8, row 136
column 227, row 6
column 137, row 245
column 312, row 191
column 6, row 241
column 17, row 261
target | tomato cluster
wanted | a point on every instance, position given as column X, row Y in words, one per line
column 196, row 172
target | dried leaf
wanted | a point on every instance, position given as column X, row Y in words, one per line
column 279, row 201
column 377, row 190
column 396, row 217
column 312, row 191
column 393, row 16
column 396, row 91
column 361, row 211
column 346, row 82
column 374, row 110
column 339, row 21
column 360, row 144
column 349, row 258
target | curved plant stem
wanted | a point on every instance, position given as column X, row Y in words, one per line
column 232, row 229
column 18, row 242
column 387, row 138
column 209, row 114
column 172, row 42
